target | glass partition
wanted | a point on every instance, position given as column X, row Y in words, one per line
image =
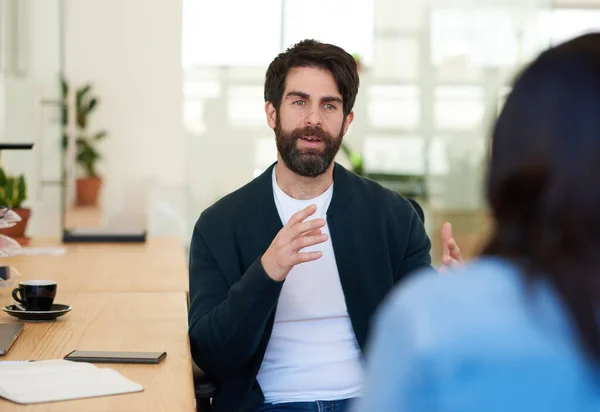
column 435, row 75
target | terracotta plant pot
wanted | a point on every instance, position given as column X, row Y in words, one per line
column 88, row 189
column 17, row 232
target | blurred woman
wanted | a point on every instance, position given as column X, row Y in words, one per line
column 518, row 328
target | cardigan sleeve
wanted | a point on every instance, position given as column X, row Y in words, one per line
column 418, row 250
column 226, row 322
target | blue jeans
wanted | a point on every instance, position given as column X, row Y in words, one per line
column 318, row 406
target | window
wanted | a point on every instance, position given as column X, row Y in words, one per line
column 438, row 161
column 195, row 95
column 458, row 107
column 396, row 58
column 465, row 34
column 250, row 33
column 245, row 106
column 393, row 106
column 230, row 32
column 395, row 154
column 345, row 23
column 563, row 24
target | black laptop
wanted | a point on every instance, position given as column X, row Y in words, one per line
column 9, row 332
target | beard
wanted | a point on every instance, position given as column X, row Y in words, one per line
column 307, row 162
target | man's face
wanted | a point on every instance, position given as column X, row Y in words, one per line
column 309, row 125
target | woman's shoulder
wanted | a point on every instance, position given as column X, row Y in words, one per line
column 486, row 323
column 484, row 302
column 473, row 281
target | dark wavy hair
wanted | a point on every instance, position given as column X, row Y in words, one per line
column 543, row 183
column 311, row 53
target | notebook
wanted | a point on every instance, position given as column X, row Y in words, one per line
column 59, row 380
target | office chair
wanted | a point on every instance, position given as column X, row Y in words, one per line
column 418, row 209
column 204, row 390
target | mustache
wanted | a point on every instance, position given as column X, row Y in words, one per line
column 310, row 131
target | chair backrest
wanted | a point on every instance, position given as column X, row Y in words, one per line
column 418, row 209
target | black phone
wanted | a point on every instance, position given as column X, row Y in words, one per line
column 116, row 357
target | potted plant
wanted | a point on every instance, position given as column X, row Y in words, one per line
column 87, row 155
column 13, row 192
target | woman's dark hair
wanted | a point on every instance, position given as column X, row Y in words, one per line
column 543, row 183
column 311, row 53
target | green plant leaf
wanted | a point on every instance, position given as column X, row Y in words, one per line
column 3, row 199
column 3, row 178
column 65, row 114
column 64, row 142
column 86, row 153
column 82, row 107
column 100, row 135
column 10, row 192
column 82, row 143
column 87, row 156
column 91, row 105
column 21, row 191
column 81, row 120
column 81, row 93
column 356, row 159
column 346, row 149
column 64, row 86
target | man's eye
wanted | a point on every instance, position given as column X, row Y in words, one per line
column 299, row 102
column 330, row 106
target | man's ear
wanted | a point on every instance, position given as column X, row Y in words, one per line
column 271, row 114
column 348, row 120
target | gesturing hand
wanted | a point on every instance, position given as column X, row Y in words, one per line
column 451, row 256
column 284, row 252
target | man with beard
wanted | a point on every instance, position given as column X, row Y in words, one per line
column 286, row 272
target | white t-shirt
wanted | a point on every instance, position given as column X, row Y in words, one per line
column 313, row 353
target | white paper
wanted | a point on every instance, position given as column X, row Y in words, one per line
column 9, row 219
column 57, row 380
column 31, row 251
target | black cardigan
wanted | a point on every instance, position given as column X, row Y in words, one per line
column 377, row 239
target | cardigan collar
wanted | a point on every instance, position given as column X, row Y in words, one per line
column 265, row 205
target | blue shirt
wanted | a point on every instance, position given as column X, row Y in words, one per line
column 477, row 339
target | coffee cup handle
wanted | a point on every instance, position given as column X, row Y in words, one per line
column 15, row 295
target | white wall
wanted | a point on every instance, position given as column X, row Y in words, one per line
column 31, row 66
column 130, row 50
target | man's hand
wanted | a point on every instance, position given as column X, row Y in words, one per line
column 451, row 256
column 284, row 252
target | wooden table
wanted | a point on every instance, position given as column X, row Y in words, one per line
column 115, row 321
column 159, row 265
